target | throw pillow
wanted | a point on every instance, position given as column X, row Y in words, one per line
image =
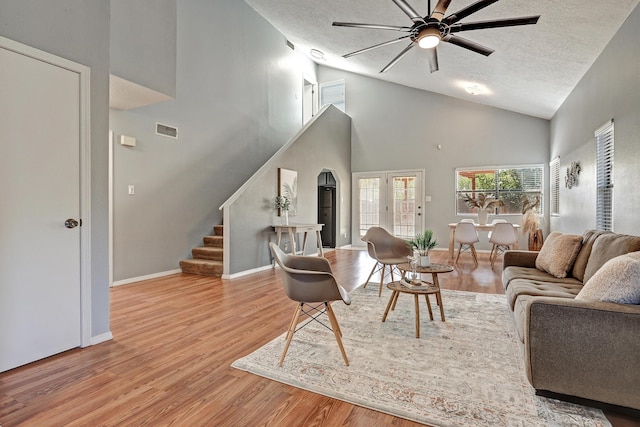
column 558, row 253
column 618, row 280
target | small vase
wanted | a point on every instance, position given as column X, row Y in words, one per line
column 483, row 215
column 425, row 261
column 285, row 217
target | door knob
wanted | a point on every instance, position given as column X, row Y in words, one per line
column 71, row 223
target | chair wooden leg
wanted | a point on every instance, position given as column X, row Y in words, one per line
column 381, row 280
column 475, row 255
column 336, row 331
column 373, row 270
column 292, row 329
column 329, row 308
column 459, row 251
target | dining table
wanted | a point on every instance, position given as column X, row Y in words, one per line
column 479, row 227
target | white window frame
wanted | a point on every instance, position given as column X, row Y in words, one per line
column 554, row 187
column 496, row 190
column 604, row 176
column 333, row 93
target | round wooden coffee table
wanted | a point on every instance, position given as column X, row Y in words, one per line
column 425, row 288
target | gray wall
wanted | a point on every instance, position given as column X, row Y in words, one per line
column 325, row 144
column 395, row 127
column 238, row 100
column 143, row 43
column 77, row 30
column 610, row 89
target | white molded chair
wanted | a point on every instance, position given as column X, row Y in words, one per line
column 310, row 282
column 466, row 235
column 471, row 220
column 503, row 238
column 494, row 222
column 388, row 251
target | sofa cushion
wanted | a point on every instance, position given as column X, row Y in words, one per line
column 513, row 272
column 618, row 280
column 588, row 239
column 608, row 246
column 558, row 253
column 520, row 287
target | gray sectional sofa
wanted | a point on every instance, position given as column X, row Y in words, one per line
column 585, row 347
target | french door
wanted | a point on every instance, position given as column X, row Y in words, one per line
column 391, row 200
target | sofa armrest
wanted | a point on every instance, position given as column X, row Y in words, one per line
column 519, row 259
column 584, row 348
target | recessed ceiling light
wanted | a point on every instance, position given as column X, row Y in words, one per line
column 318, row 54
column 475, row 90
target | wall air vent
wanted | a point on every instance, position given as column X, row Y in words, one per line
column 291, row 46
column 166, row 130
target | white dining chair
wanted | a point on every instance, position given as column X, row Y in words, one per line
column 494, row 222
column 467, row 236
column 471, row 220
column 503, row 238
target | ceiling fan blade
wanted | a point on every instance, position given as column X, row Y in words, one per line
column 497, row 23
column 463, row 13
column 468, row 44
column 432, row 55
column 440, row 9
column 398, row 58
column 367, row 49
column 411, row 12
column 371, row 26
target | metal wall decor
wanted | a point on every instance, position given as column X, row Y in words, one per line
column 572, row 175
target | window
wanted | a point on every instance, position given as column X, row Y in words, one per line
column 554, row 197
column 509, row 184
column 604, row 177
column 333, row 93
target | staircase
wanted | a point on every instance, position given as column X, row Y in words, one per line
column 207, row 259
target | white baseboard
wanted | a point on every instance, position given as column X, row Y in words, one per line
column 107, row 336
column 147, row 277
column 246, row 272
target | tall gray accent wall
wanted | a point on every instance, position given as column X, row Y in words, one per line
column 143, row 43
column 78, row 31
column 395, row 127
column 238, row 100
column 609, row 90
column 325, row 144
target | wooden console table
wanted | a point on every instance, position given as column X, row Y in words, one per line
column 292, row 229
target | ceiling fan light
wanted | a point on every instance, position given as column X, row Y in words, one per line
column 429, row 38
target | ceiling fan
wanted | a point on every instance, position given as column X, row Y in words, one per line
column 427, row 32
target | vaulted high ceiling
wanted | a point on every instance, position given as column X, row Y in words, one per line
column 533, row 68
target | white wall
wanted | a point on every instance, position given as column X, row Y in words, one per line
column 395, row 127
column 610, row 89
column 238, row 100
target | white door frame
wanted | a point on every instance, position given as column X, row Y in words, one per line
column 384, row 186
column 84, row 73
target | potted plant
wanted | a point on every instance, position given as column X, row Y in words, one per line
column 483, row 203
column 423, row 243
column 283, row 204
column 531, row 222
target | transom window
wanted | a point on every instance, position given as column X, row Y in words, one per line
column 510, row 184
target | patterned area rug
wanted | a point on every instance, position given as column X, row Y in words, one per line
column 467, row 371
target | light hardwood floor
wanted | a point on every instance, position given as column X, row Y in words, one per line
column 169, row 362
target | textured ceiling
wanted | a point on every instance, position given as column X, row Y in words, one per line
column 533, row 68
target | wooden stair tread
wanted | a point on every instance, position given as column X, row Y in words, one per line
column 207, row 259
column 203, row 267
column 213, row 241
column 207, row 252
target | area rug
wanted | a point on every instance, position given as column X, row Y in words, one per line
column 467, row 371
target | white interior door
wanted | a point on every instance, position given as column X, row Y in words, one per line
column 391, row 200
column 40, row 300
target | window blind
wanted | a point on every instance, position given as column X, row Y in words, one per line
column 604, row 177
column 554, row 186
